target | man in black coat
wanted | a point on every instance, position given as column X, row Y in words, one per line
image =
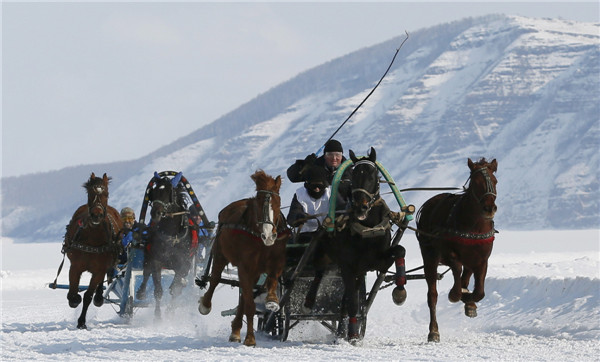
column 332, row 158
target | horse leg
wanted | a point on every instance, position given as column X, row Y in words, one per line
column 247, row 284
column 272, row 301
column 73, row 295
column 95, row 281
column 98, row 297
column 141, row 292
column 311, row 295
column 219, row 263
column 351, row 292
column 478, row 292
column 455, row 293
column 430, row 269
column 399, row 292
column 158, row 291
column 236, row 324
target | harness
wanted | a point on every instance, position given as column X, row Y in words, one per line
column 110, row 245
column 464, row 237
column 281, row 231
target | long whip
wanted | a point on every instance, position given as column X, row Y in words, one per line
column 367, row 97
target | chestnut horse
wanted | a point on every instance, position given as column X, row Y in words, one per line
column 251, row 236
column 92, row 245
column 457, row 230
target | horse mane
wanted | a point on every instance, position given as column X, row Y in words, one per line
column 265, row 182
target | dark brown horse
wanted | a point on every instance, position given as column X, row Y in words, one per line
column 169, row 240
column 457, row 230
column 365, row 243
column 92, row 245
column 252, row 236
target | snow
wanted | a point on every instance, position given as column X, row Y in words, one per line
column 542, row 303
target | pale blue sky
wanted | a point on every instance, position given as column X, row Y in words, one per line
column 100, row 82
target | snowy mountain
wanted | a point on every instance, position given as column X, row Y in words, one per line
column 524, row 91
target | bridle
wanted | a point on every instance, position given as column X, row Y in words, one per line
column 372, row 197
column 490, row 189
column 266, row 206
column 98, row 190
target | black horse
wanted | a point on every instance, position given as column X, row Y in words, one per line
column 364, row 244
column 169, row 243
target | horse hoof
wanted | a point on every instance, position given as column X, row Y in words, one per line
column 454, row 297
column 249, row 342
column 470, row 311
column 272, row 306
column 202, row 309
column 99, row 301
column 140, row 295
column 74, row 301
column 399, row 295
column 433, row 337
column 81, row 326
column 353, row 339
column 234, row 338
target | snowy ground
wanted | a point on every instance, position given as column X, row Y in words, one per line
column 542, row 303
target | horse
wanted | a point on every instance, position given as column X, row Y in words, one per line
column 251, row 235
column 457, row 230
column 169, row 242
column 91, row 243
column 364, row 243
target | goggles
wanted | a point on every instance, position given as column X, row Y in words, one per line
column 334, row 154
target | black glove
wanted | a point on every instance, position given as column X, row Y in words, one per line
column 310, row 159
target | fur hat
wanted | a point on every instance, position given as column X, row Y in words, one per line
column 333, row 146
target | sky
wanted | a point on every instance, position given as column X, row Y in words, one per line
column 96, row 82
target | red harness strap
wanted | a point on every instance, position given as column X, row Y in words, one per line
column 470, row 241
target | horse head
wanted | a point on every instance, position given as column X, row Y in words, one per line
column 97, row 190
column 365, row 184
column 163, row 196
column 268, row 205
column 483, row 185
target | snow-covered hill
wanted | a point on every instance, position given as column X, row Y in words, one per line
column 524, row 91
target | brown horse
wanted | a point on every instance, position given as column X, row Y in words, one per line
column 457, row 230
column 252, row 236
column 92, row 245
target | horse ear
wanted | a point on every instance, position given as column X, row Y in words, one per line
column 105, row 178
column 353, row 156
column 471, row 164
column 494, row 165
column 278, row 182
column 372, row 155
column 92, row 176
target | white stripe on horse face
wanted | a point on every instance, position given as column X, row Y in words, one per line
column 267, row 235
